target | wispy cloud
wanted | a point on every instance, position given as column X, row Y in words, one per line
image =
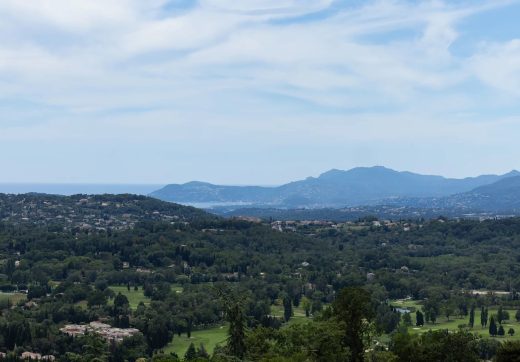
column 145, row 70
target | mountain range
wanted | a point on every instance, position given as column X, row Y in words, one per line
column 359, row 186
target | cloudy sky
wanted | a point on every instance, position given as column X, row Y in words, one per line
column 256, row 91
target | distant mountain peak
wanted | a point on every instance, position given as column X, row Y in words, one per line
column 359, row 186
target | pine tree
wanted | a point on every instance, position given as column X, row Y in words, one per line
column 202, row 353
column 191, row 353
column 472, row 316
column 501, row 331
column 492, row 327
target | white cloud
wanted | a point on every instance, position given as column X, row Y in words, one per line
column 249, row 70
column 498, row 65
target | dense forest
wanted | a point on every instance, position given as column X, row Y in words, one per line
column 71, row 261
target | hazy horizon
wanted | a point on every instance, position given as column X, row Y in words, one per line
column 256, row 92
column 61, row 188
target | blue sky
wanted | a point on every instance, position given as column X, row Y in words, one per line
column 257, row 91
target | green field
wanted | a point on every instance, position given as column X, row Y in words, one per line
column 134, row 297
column 13, row 297
column 454, row 322
column 217, row 335
column 210, row 338
column 298, row 314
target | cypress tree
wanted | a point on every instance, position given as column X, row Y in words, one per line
column 419, row 319
column 287, row 308
column 492, row 327
column 483, row 317
column 500, row 315
column 501, row 331
column 191, row 353
column 472, row 316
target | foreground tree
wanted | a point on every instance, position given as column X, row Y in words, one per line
column 508, row 352
column 233, row 305
column 353, row 310
column 435, row 346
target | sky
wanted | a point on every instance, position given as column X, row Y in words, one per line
column 256, row 91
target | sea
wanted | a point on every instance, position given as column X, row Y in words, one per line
column 74, row 189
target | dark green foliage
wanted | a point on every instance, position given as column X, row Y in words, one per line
column 407, row 319
column 287, row 308
column 315, row 341
column 352, row 309
column 500, row 315
column 191, row 353
column 419, row 319
column 472, row 316
column 492, row 327
column 233, row 305
column 483, row 316
column 508, row 352
column 436, row 346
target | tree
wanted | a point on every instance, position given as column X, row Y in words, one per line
column 233, row 305
column 306, row 305
column 96, row 298
column 407, row 319
column 448, row 310
column 433, row 316
column 191, row 353
column 483, row 317
column 121, row 304
column 492, row 327
column 501, row 332
column 353, row 310
column 517, row 315
column 202, row 353
column 472, row 316
column 508, row 352
column 287, row 308
column 419, row 319
column 511, row 332
column 500, row 315
column 435, row 346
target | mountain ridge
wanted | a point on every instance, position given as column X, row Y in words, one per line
column 333, row 188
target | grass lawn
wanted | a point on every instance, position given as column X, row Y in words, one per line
column 298, row 314
column 13, row 297
column 134, row 297
column 454, row 322
column 210, row 338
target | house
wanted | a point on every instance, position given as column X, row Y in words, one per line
column 31, row 356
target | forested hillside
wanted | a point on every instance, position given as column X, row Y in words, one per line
column 175, row 276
